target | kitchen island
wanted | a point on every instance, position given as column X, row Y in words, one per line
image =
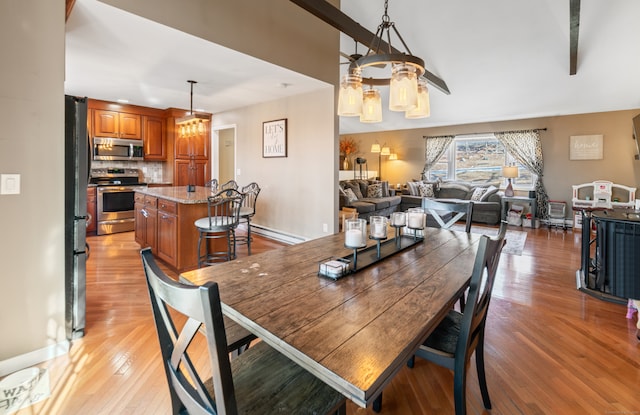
column 165, row 219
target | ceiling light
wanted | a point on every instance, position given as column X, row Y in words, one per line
column 406, row 75
column 193, row 121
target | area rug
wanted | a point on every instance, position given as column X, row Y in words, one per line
column 515, row 239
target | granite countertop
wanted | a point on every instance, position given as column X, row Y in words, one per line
column 179, row 194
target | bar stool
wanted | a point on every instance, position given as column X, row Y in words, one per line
column 247, row 211
column 223, row 210
column 231, row 184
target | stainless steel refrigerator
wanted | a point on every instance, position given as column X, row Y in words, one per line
column 75, row 218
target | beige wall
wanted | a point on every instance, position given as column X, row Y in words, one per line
column 32, row 145
column 296, row 196
column 618, row 164
column 226, row 155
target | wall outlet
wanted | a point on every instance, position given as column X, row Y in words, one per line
column 325, row 228
column 9, row 184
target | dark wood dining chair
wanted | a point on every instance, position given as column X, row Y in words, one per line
column 223, row 217
column 437, row 209
column 259, row 381
column 459, row 335
column 248, row 210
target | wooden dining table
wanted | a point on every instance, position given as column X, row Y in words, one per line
column 354, row 333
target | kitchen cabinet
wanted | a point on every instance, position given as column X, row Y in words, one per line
column 154, row 138
column 191, row 172
column 146, row 215
column 107, row 123
column 175, row 232
column 191, row 152
column 168, row 231
column 91, row 210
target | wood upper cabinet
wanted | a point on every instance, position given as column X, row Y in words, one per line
column 155, row 143
column 116, row 124
column 193, row 146
column 191, row 151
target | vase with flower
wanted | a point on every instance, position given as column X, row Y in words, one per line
column 348, row 146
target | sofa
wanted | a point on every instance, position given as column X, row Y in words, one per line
column 368, row 197
column 487, row 200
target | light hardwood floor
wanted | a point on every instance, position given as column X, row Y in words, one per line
column 550, row 348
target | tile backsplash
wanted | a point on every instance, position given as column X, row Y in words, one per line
column 151, row 171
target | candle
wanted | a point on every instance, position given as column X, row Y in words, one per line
column 377, row 230
column 353, row 238
column 416, row 220
column 398, row 219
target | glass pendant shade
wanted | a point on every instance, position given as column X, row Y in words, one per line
column 403, row 88
column 423, row 109
column 350, row 96
column 371, row 106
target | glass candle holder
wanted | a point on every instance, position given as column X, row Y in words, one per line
column 355, row 234
column 416, row 218
column 398, row 219
column 378, row 227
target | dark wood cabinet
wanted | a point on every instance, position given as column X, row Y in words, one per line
column 146, row 214
column 192, row 155
column 91, row 211
column 155, row 145
column 168, row 231
column 116, row 124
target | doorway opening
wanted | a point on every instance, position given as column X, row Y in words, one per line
column 223, row 145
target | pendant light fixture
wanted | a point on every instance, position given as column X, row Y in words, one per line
column 406, row 75
column 191, row 123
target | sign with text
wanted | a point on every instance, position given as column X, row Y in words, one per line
column 274, row 138
column 585, row 147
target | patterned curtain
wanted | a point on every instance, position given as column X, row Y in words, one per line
column 525, row 147
column 434, row 148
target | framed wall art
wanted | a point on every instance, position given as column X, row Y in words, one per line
column 274, row 138
column 585, row 147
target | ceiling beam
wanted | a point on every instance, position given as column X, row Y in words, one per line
column 574, row 29
column 336, row 18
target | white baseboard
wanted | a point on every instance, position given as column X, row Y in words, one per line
column 277, row 235
column 26, row 360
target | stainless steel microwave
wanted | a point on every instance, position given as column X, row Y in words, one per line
column 117, row 149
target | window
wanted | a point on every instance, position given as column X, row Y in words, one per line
column 479, row 159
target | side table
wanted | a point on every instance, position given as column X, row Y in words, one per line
column 531, row 201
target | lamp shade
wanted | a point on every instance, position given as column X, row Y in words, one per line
column 423, row 109
column 403, row 88
column 375, row 148
column 385, row 151
column 393, row 156
column 510, row 172
column 350, row 96
column 371, row 106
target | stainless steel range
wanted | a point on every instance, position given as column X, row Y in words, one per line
column 116, row 189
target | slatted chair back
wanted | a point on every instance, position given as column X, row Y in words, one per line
column 251, row 192
column 201, row 306
column 231, row 184
column 459, row 209
column 223, row 210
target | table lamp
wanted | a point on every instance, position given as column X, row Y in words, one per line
column 510, row 172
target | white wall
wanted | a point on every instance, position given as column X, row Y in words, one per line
column 32, row 145
column 298, row 191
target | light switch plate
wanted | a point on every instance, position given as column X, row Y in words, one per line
column 9, row 184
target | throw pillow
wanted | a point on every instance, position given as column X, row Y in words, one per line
column 414, row 188
column 478, row 193
column 355, row 188
column 351, row 197
column 426, row 190
column 490, row 191
column 374, row 190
